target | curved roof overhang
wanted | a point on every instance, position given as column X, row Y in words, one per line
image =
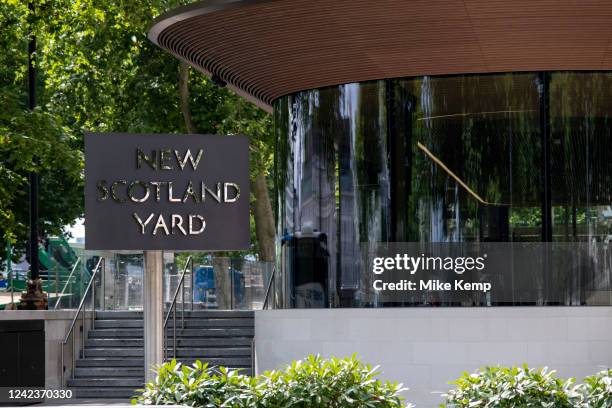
column 265, row 49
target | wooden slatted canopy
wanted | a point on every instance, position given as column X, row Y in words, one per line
column 265, row 49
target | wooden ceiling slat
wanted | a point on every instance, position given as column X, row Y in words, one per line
column 266, row 49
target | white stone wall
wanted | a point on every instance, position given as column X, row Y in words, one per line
column 424, row 348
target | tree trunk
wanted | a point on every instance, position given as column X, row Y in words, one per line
column 221, row 265
column 184, row 100
column 223, row 282
column 264, row 218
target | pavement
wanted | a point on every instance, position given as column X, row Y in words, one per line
column 96, row 403
column 76, row 402
column 5, row 297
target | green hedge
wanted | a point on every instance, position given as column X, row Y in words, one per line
column 320, row 383
column 311, row 383
column 597, row 390
column 501, row 387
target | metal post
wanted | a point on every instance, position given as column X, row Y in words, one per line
column 93, row 296
column 231, row 276
column 252, row 357
column 61, row 365
column 34, row 261
column 192, row 282
column 103, row 285
column 73, row 358
column 153, row 312
column 174, row 332
column 83, row 330
column 9, row 268
column 183, row 305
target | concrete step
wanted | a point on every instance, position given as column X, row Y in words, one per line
column 222, row 352
column 113, row 352
column 201, row 314
column 211, row 342
column 115, row 333
column 180, row 352
column 113, row 366
column 114, row 342
column 119, row 324
column 132, row 382
column 189, row 323
column 213, row 332
column 212, row 323
column 98, row 372
column 204, row 332
column 110, row 362
column 237, row 361
column 119, row 314
column 180, row 342
column 134, row 372
column 118, row 393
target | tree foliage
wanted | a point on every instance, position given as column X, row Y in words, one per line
column 31, row 141
column 97, row 72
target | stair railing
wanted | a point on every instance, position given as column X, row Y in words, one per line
column 82, row 311
column 61, row 295
column 172, row 309
column 270, row 282
column 264, row 307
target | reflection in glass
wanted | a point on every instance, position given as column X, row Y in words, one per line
column 517, row 157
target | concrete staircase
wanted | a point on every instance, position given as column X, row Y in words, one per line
column 112, row 364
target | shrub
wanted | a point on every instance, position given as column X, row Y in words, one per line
column 321, row 383
column 597, row 390
column 311, row 383
column 501, row 387
column 197, row 385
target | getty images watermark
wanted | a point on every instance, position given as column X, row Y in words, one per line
column 406, row 264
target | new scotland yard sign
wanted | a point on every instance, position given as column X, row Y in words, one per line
column 166, row 192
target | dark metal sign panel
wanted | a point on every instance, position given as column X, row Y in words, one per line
column 171, row 192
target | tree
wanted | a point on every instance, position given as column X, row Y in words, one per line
column 31, row 141
column 101, row 73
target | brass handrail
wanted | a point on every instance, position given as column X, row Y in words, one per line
column 181, row 286
column 90, row 285
column 61, row 295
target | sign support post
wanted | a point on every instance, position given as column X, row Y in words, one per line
column 153, row 306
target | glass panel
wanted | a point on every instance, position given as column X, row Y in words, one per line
column 581, row 162
column 476, row 158
column 221, row 283
column 581, row 127
column 515, row 158
column 333, row 190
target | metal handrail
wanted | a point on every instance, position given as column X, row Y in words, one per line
column 181, row 286
column 81, row 307
column 267, row 296
column 61, row 295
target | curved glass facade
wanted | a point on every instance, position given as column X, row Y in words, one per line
column 512, row 158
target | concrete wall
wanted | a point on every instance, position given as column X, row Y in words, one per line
column 424, row 348
column 56, row 327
